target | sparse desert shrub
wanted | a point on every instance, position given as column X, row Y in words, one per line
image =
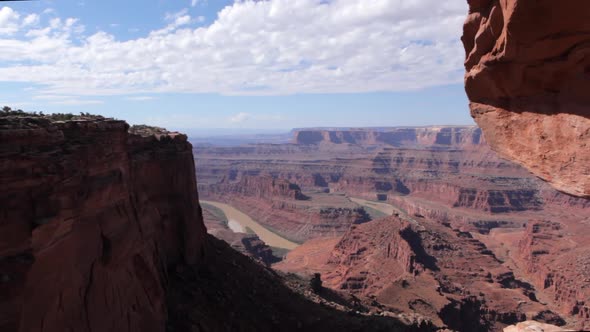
column 7, row 111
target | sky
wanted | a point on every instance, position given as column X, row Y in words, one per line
column 274, row 64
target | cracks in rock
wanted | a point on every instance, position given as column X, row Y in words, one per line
column 86, row 295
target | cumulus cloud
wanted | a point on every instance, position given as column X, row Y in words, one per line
column 31, row 19
column 240, row 117
column 253, row 47
column 9, row 21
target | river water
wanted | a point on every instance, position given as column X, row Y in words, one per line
column 238, row 221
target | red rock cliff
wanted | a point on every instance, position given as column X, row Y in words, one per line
column 528, row 77
column 91, row 217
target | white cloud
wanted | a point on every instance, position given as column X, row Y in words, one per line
column 140, row 98
column 31, row 19
column 8, row 21
column 65, row 100
column 52, row 97
column 76, row 102
column 182, row 20
column 253, row 47
column 176, row 15
column 194, row 3
column 240, row 117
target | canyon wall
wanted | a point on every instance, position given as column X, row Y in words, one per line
column 527, row 77
column 283, row 208
column 459, row 242
column 410, row 136
column 461, row 183
column 101, row 230
column 91, row 218
column 399, row 264
column 248, row 244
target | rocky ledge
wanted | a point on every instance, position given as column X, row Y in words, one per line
column 527, row 77
column 91, row 219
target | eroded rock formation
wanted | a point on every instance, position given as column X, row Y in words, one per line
column 528, row 77
column 462, row 243
column 443, row 136
column 465, row 184
column 280, row 205
column 90, row 220
column 423, row 267
column 101, row 230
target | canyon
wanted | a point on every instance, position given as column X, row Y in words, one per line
column 101, row 229
column 411, row 232
column 442, row 226
column 411, row 229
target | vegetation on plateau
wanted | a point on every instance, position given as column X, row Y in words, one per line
column 9, row 112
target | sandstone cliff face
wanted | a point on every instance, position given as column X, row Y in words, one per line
column 90, row 220
column 365, row 253
column 261, row 187
column 423, row 267
column 565, row 278
column 441, row 136
column 528, row 77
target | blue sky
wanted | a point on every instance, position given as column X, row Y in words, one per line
column 243, row 64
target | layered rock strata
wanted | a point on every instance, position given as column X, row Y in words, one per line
column 481, row 205
column 282, row 207
column 527, row 77
column 419, row 136
column 426, row 268
column 91, row 219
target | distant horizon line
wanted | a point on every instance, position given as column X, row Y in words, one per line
column 329, row 127
column 243, row 132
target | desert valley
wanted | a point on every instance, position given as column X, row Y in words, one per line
column 371, row 222
column 421, row 220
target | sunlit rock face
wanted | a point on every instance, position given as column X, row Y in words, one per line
column 528, row 77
